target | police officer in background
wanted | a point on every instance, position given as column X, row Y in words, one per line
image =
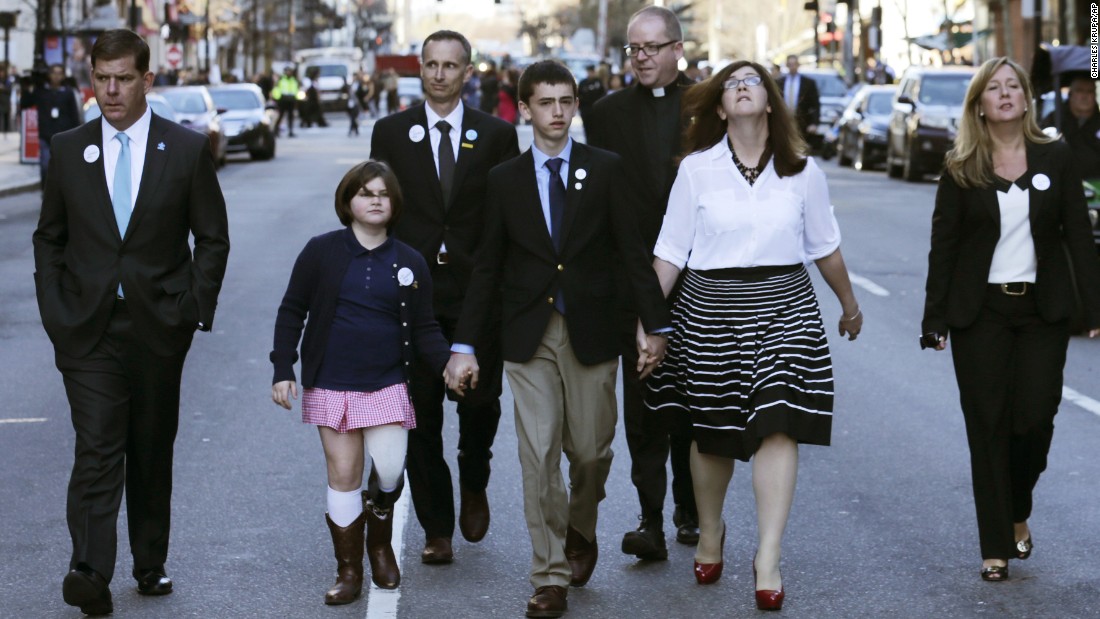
column 285, row 96
column 58, row 110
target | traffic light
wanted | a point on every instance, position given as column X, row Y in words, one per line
column 811, row 6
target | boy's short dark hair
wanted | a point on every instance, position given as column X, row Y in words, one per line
column 549, row 72
column 357, row 178
column 121, row 43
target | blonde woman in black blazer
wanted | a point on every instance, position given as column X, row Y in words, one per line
column 1008, row 207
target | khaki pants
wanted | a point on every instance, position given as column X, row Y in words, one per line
column 561, row 405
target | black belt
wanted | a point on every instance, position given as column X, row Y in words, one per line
column 1013, row 289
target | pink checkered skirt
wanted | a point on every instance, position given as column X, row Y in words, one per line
column 345, row 411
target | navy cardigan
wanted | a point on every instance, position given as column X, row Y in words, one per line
column 313, row 290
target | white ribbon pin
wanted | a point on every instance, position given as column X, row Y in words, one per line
column 471, row 135
column 91, row 153
column 1040, row 182
column 581, row 174
column 405, row 276
column 416, row 133
column 577, row 186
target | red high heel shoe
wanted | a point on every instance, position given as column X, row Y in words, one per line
column 767, row 599
column 709, row 573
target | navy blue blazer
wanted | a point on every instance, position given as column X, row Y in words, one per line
column 310, row 301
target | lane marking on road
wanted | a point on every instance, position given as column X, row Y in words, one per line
column 1081, row 400
column 382, row 603
column 868, row 285
column 24, row 420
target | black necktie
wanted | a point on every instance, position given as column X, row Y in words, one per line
column 446, row 160
column 557, row 200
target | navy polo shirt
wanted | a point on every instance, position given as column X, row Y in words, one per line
column 364, row 343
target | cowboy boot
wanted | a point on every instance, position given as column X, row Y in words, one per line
column 379, row 509
column 347, row 543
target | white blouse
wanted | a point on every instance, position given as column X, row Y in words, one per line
column 1014, row 257
column 716, row 220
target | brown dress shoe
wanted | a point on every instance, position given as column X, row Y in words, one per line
column 437, row 551
column 347, row 544
column 548, row 601
column 582, row 555
column 473, row 516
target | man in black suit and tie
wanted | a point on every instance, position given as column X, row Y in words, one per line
column 121, row 293
column 557, row 224
column 643, row 125
column 446, row 140
column 800, row 93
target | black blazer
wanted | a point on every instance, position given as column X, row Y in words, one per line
column 966, row 226
column 519, row 268
column 617, row 123
column 425, row 220
column 80, row 258
column 808, row 110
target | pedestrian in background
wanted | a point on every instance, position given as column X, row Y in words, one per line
column 1081, row 126
column 643, row 125
column 6, row 92
column 351, row 106
column 58, row 108
column 590, row 90
column 748, row 362
column 801, row 96
column 1010, row 234
column 365, row 302
column 364, row 94
column 444, row 220
column 129, row 255
column 285, row 95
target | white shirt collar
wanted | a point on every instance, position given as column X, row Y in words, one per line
column 454, row 119
column 137, row 132
column 541, row 158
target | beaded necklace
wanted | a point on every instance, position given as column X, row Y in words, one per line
column 750, row 174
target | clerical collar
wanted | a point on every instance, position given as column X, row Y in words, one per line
column 664, row 90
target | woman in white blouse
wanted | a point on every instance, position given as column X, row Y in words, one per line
column 1009, row 209
column 747, row 362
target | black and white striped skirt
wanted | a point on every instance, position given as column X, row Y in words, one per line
column 747, row 358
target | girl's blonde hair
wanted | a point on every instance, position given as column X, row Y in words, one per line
column 970, row 162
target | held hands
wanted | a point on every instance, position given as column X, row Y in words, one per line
column 1094, row 332
column 283, row 391
column 851, row 324
column 651, row 351
column 461, row 371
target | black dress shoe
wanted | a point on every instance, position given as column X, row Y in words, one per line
column 85, row 588
column 153, row 581
column 687, row 526
column 646, row 543
column 437, row 551
column 548, row 601
column 473, row 515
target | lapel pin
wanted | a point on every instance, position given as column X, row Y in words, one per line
column 467, row 145
column 416, row 133
column 91, row 153
column 471, row 135
column 577, row 186
column 581, row 174
column 1040, row 182
column 405, row 276
column 160, row 145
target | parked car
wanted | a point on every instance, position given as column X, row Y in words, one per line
column 925, row 119
column 158, row 103
column 195, row 109
column 410, row 91
column 833, row 97
column 861, row 130
column 246, row 121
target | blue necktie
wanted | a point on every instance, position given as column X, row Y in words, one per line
column 557, row 209
column 121, row 198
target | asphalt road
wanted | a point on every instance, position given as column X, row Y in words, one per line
column 882, row 526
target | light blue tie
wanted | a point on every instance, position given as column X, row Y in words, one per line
column 121, row 199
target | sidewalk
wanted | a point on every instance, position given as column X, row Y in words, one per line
column 15, row 177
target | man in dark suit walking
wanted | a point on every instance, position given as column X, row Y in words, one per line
column 121, row 293
column 557, row 224
column 800, row 93
column 643, row 125
column 443, row 219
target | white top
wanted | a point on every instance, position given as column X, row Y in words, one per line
column 716, row 220
column 1014, row 257
column 542, row 176
column 455, row 120
column 139, row 138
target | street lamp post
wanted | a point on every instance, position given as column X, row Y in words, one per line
column 7, row 22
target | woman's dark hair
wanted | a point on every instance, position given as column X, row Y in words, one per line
column 121, row 43
column 701, row 104
column 357, row 178
column 549, row 72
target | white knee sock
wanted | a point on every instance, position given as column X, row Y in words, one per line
column 344, row 507
column 387, row 445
